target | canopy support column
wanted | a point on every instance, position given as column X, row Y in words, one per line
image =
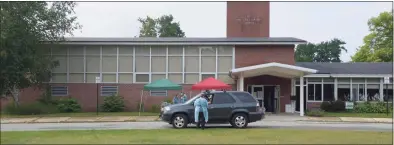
column 241, row 82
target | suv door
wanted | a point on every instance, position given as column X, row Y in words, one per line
column 221, row 107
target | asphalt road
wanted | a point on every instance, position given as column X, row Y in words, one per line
column 163, row 125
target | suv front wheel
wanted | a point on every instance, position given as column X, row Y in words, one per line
column 239, row 120
column 179, row 121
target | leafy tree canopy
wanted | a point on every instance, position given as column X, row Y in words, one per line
column 378, row 45
column 160, row 27
column 326, row 51
column 24, row 26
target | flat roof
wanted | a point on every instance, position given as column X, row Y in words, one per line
column 184, row 41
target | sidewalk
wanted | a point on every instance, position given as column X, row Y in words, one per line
column 80, row 119
column 350, row 119
column 155, row 118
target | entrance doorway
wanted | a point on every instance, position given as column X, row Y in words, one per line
column 265, row 94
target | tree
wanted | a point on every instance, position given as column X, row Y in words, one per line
column 24, row 27
column 326, row 51
column 148, row 28
column 160, row 27
column 378, row 45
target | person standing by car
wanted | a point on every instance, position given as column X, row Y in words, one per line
column 176, row 99
column 183, row 97
column 201, row 110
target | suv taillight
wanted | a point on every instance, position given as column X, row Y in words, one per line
column 257, row 107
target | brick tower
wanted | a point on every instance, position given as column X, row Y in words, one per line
column 248, row 19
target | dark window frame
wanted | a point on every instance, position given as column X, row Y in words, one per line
column 229, row 96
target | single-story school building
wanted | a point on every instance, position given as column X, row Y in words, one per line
column 248, row 59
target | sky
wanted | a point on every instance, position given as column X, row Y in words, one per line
column 310, row 21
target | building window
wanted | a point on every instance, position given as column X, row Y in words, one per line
column 314, row 92
column 59, row 90
column 358, row 92
column 142, row 78
column 109, row 90
column 373, row 92
column 205, row 76
column 328, row 92
column 159, row 93
column 344, row 92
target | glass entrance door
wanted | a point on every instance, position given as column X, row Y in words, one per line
column 258, row 92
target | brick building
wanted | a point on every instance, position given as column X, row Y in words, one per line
column 247, row 58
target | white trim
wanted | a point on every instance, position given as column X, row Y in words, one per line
column 273, row 64
column 101, row 63
column 134, row 76
column 216, row 63
column 183, row 65
column 84, row 65
column 335, row 89
column 365, row 90
column 349, row 75
column 233, row 57
column 199, row 66
column 68, row 65
column 301, row 70
column 50, row 80
column 181, row 43
column 117, row 64
column 150, row 64
column 167, row 62
column 351, row 90
column 381, row 93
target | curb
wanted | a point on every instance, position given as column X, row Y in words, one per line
column 344, row 121
column 33, row 121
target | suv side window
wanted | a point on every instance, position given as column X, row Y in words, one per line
column 222, row 98
column 244, row 97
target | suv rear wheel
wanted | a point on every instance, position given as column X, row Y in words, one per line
column 179, row 121
column 239, row 120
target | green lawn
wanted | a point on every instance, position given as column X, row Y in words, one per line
column 364, row 115
column 85, row 114
column 197, row 136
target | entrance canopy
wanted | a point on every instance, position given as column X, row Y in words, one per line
column 273, row 69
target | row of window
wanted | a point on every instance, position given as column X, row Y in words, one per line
column 172, row 50
column 187, row 78
column 104, row 91
column 325, row 92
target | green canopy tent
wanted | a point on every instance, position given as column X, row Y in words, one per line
column 163, row 84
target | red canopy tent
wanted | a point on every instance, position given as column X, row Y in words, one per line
column 210, row 83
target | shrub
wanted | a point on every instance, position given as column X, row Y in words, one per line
column 30, row 109
column 333, row 106
column 168, row 100
column 368, row 107
column 315, row 112
column 46, row 97
column 68, row 105
column 155, row 109
column 114, row 103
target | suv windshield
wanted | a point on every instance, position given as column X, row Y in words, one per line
column 192, row 99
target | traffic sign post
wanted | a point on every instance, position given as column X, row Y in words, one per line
column 98, row 80
column 387, row 81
